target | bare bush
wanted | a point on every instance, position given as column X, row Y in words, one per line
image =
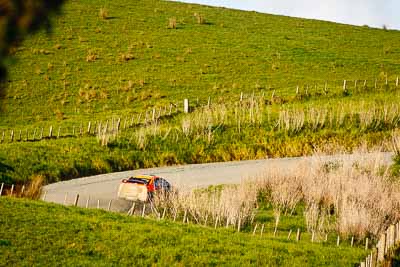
column 354, row 194
column 222, row 206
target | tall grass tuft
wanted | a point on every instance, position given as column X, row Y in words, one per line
column 172, row 23
column 103, row 13
column 34, row 190
column 355, row 196
column 228, row 206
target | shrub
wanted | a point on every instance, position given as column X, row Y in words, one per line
column 34, row 189
column 172, row 23
column 103, row 13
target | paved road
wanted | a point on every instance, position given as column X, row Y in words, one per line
column 103, row 188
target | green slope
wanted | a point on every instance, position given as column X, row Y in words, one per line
column 41, row 234
column 233, row 51
column 91, row 69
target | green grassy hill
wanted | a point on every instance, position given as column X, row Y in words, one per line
column 91, row 66
column 99, row 238
column 120, row 59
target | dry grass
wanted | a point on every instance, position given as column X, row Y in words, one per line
column 355, row 195
column 172, row 23
column 103, row 13
column 200, row 19
column 91, row 56
column 34, row 190
column 352, row 194
column 228, row 206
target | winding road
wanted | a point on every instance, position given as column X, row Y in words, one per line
column 100, row 189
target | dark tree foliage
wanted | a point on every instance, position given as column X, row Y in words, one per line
column 4, row 170
column 19, row 18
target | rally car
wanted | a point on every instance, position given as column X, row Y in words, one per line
column 142, row 187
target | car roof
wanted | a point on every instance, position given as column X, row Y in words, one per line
column 147, row 177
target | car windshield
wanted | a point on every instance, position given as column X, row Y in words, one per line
column 138, row 180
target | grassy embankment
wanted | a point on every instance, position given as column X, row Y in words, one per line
column 125, row 62
column 92, row 237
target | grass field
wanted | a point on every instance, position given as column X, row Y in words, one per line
column 91, row 237
column 119, row 59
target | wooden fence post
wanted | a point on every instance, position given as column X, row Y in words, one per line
column 22, row 190
column 118, row 124
column 12, row 190
column 344, row 85
column 352, row 241
column 87, row 202
column 238, row 228
column 397, row 81
column 153, row 116
column 41, row 134
column 109, row 205
column 262, row 229
column 12, row 136
column 76, row 200
column 144, row 209
column 366, row 243
column 65, row 198
column 255, row 229
column 392, row 233
column 186, row 105
column 312, row 236
column 338, row 240
column 44, row 196
column 163, row 214
column 58, row 132
column 382, row 247
column 2, row 136
column 216, row 222
column 132, row 209
column 374, row 257
column 298, row 236
column 290, row 233
column 1, row 189
column 89, row 127
column 50, row 131
column 98, row 203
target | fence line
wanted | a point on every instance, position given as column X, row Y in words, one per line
column 112, row 126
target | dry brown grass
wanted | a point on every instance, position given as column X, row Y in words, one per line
column 91, row 56
column 355, row 195
column 34, row 190
column 200, row 19
column 103, row 13
column 172, row 23
column 226, row 206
